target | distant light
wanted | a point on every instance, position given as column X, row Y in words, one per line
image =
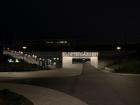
column 20, row 52
column 50, row 61
column 10, row 60
column 17, row 61
column 29, row 55
column 24, row 47
column 54, row 63
column 54, row 58
column 8, row 48
column 26, row 54
column 84, row 59
column 49, row 42
column 65, row 42
column 118, row 48
column 62, row 42
column 57, row 58
column 35, row 56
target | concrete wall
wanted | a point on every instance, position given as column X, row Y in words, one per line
column 94, row 61
column 67, row 62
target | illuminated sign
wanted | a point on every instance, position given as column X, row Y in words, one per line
column 80, row 54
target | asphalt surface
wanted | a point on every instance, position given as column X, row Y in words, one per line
column 95, row 87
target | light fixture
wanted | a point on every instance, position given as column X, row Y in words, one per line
column 35, row 56
column 17, row 61
column 118, row 48
column 54, row 58
column 24, row 47
column 54, row 63
column 10, row 60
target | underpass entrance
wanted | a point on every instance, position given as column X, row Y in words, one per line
column 80, row 60
column 76, row 59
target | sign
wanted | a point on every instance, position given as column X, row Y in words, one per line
column 80, row 54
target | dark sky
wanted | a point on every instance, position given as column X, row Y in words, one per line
column 100, row 22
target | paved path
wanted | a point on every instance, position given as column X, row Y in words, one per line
column 40, row 74
column 95, row 87
column 42, row 96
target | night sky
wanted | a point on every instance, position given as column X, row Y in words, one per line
column 100, row 22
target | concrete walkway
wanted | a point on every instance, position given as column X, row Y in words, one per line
column 95, row 87
column 42, row 96
column 40, row 74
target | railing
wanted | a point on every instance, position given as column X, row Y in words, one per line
column 21, row 56
column 31, row 59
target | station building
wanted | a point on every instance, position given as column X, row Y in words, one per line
column 66, row 54
column 61, row 53
column 69, row 59
column 74, row 59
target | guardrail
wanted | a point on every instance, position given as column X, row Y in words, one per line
column 31, row 59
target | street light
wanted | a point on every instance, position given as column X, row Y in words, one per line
column 24, row 47
column 118, row 48
column 119, row 62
